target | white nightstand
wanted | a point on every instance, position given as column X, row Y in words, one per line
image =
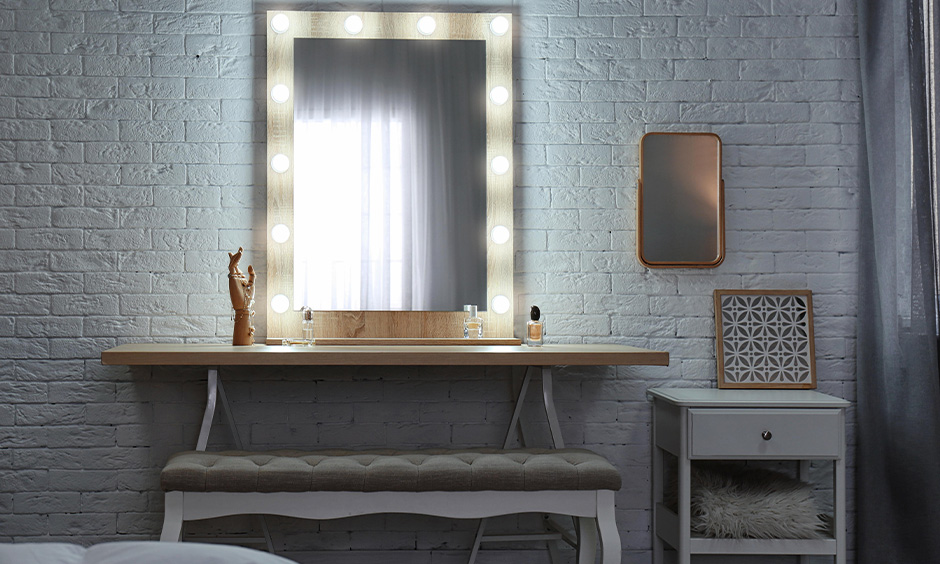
column 711, row 424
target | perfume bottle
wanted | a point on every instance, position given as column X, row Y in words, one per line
column 535, row 329
column 473, row 324
column 307, row 314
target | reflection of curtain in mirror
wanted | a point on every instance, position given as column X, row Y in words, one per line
column 370, row 167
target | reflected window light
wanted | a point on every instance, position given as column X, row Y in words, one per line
column 280, row 93
column 426, row 25
column 280, row 23
column 499, row 25
column 353, row 25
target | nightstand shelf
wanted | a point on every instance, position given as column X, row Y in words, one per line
column 709, row 424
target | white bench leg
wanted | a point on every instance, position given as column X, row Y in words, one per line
column 587, row 540
column 607, row 524
column 172, row 517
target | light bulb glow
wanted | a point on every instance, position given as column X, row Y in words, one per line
column 501, row 304
column 280, row 93
column 500, row 165
column 499, row 25
column 500, row 234
column 353, row 25
column 280, row 23
column 426, row 25
column 499, row 95
column 280, row 233
column 280, row 163
column 280, row 303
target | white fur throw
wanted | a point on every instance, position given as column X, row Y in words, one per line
column 737, row 502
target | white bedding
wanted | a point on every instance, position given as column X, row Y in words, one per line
column 134, row 553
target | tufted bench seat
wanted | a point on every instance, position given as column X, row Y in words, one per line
column 330, row 484
column 389, row 470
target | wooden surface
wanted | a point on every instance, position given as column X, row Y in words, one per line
column 711, row 397
column 257, row 355
column 457, row 342
column 499, row 188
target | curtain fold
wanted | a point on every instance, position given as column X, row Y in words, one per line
column 898, row 384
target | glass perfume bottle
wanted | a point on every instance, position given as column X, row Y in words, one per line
column 307, row 328
column 473, row 324
column 535, row 328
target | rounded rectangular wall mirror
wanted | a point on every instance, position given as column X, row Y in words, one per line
column 680, row 202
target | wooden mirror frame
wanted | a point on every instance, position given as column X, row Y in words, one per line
column 499, row 200
column 719, row 212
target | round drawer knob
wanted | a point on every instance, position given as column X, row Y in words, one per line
column 767, row 435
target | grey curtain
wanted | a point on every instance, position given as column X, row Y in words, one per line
column 898, row 466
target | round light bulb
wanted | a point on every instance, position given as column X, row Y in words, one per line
column 280, row 23
column 500, row 165
column 499, row 95
column 280, row 233
column 353, row 25
column 500, row 234
column 426, row 25
column 501, row 304
column 280, row 163
column 280, row 93
column 280, row 303
column 499, row 25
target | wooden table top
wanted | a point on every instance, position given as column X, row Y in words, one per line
column 154, row 354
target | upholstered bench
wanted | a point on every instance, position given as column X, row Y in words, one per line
column 463, row 484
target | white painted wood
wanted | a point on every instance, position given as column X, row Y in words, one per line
column 607, row 527
column 587, row 540
column 210, row 409
column 172, row 517
column 548, row 401
column 712, row 397
column 517, row 410
column 336, row 505
column 794, row 433
column 718, row 425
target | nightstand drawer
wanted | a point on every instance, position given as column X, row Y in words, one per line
column 765, row 433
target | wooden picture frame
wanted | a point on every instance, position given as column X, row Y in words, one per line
column 764, row 339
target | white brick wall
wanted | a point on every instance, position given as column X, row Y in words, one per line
column 131, row 160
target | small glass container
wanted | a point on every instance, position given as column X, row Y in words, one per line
column 307, row 314
column 473, row 324
column 535, row 328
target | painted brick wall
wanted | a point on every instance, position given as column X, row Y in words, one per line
column 131, row 159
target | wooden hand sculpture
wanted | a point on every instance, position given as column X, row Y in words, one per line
column 242, row 293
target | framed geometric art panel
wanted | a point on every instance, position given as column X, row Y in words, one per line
column 765, row 339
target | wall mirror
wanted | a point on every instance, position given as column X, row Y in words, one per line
column 680, row 203
column 389, row 173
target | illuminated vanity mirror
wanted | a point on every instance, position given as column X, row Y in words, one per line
column 390, row 173
column 680, row 203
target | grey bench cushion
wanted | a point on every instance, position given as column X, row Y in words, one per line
column 389, row 470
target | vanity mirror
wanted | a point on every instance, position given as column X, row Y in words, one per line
column 680, row 203
column 389, row 173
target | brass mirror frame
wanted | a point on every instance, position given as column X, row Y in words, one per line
column 720, row 239
column 499, row 199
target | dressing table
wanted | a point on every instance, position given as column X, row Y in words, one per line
column 536, row 360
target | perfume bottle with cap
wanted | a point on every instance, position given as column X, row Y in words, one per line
column 535, row 328
column 307, row 328
column 473, row 324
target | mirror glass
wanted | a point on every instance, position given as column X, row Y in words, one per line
column 680, row 203
column 389, row 174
